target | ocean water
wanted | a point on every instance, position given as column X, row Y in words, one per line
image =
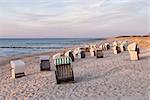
column 10, row 47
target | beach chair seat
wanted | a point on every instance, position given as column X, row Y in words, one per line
column 99, row 53
column 64, row 70
column 134, row 51
column 134, row 55
column 17, row 68
column 45, row 63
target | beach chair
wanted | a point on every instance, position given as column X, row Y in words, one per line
column 87, row 48
column 79, row 53
column 107, row 46
column 17, row 68
column 92, row 52
column 100, row 47
column 93, row 46
column 125, row 43
column 99, row 53
column 64, row 70
column 45, row 63
column 122, row 47
column 116, row 49
column 69, row 53
column 133, row 51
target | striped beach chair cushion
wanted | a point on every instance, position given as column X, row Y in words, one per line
column 63, row 60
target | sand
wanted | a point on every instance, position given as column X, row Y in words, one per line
column 113, row 77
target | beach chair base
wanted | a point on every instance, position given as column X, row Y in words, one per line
column 60, row 80
column 64, row 73
column 134, row 55
column 99, row 56
column 45, row 65
column 18, row 75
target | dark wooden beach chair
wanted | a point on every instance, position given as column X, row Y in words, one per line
column 45, row 63
column 71, row 56
column 64, row 70
column 99, row 53
column 82, row 54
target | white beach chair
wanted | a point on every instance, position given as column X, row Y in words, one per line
column 79, row 53
column 123, row 46
column 18, row 68
column 45, row 63
column 133, row 51
column 107, row 46
column 116, row 48
column 69, row 53
column 92, row 52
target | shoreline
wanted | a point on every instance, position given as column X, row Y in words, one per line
column 6, row 59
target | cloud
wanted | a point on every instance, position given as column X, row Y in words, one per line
column 77, row 16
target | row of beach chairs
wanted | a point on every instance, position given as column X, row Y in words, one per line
column 63, row 61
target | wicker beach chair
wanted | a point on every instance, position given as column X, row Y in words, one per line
column 107, row 46
column 45, row 63
column 69, row 53
column 99, row 53
column 64, row 70
column 133, row 51
column 18, row 68
column 92, row 52
column 87, row 48
column 116, row 47
column 79, row 53
column 122, row 47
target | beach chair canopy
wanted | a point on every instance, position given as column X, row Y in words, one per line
column 132, row 47
column 56, row 55
column 115, row 43
column 63, row 60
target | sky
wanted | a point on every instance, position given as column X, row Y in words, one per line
column 73, row 18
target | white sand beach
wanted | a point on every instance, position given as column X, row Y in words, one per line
column 114, row 77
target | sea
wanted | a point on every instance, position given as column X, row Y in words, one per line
column 15, row 46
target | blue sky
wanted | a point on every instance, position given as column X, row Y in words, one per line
column 73, row 18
